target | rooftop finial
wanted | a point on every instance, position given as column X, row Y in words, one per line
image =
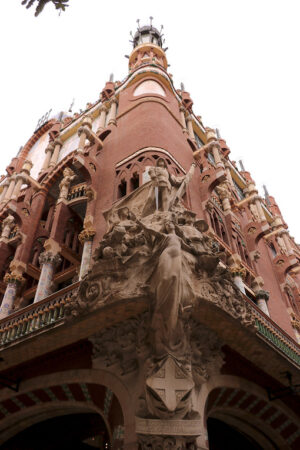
column 71, row 106
column 151, row 18
column 182, row 86
column 111, row 77
column 138, row 22
column 266, row 194
column 242, row 165
column 218, row 133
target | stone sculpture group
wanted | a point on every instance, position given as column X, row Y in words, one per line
column 155, row 252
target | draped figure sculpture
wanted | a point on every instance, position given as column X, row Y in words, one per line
column 170, row 287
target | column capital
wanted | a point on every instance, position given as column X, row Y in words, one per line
column 103, row 108
column 86, row 234
column 87, row 121
column 49, row 257
column 49, row 148
column 114, row 100
column 237, row 270
column 262, row 295
column 58, row 141
column 14, row 278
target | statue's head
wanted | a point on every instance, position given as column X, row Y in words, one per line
column 123, row 213
column 169, row 226
column 161, row 163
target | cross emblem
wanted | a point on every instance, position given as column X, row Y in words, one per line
column 170, row 383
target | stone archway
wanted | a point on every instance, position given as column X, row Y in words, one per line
column 79, row 431
column 244, row 407
column 80, row 392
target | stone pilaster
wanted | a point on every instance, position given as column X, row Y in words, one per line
column 48, row 262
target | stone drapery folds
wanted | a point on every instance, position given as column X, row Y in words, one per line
column 165, row 261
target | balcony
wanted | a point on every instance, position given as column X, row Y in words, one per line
column 49, row 313
column 28, row 321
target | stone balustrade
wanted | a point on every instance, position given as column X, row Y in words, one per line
column 36, row 316
column 273, row 335
column 77, row 191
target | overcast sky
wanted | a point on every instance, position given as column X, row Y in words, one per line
column 239, row 59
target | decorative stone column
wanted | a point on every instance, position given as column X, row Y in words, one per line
column 238, row 273
column 228, row 174
column 82, row 132
column 182, row 118
column 48, row 261
column 57, row 146
column 14, row 281
column 285, row 237
column 103, row 111
column 3, row 193
column 49, row 150
column 113, row 112
column 259, row 209
column 21, row 178
column 281, row 244
column 86, row 239
column 214, row 146
column 224, row 194
column 262, row 297
column 189, row 121
column 12, row 183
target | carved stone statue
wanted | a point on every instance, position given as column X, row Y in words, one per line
column 65, row 183
column 7, row 226
column 254, row 212
column 161, row 197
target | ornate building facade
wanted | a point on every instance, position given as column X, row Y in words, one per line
column 150, row 296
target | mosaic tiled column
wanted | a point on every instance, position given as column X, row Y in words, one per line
column 238, row 273
column 48, row 261
column 261, row 298
column 86, row 239
column 13, row 283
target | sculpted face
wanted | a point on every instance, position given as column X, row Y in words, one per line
column 161, row 163
column 170, row 227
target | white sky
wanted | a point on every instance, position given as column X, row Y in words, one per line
column 238, row 59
